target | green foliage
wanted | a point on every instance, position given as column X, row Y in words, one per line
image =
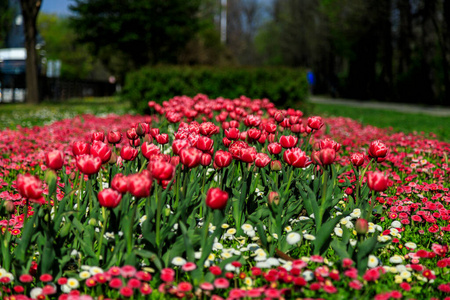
column 6, row 17
column 60, row 43
column 283, row 86
column 138, row 32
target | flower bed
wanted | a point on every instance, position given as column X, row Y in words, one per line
column 219, row 198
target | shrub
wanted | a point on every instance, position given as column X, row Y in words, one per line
column 283, row 86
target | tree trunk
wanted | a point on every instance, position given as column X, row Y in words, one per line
column 30, row 10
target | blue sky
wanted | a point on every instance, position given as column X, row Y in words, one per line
column 60, row 7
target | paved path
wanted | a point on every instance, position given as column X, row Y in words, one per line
column 400, row 107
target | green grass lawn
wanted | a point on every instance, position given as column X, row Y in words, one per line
column 26, row 115
column 405, row 122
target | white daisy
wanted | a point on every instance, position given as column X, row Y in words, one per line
column 372, row 262
column 178, row 261
column 293, row 238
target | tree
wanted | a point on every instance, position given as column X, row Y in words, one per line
column 6, row 17
column 30, row 11
column 136, row 32
column 60, row 43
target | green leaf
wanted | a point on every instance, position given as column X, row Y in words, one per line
column 323, row 237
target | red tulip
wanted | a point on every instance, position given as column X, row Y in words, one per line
column 357, row 159
column 134, row 143
column 88, row 164
column 206, row 159
column 294, row 119
column 329, row 143
column 288, row 141
column 109, row 198
column 177, row 145
column 142, row 129
column 270, row 127
column 254, row 133
column 132, row 134
column 296, row 128
column 315, row 123
column 278, row 116
column 234, row 124
column 232, row 133
column 149, row 149
column 204, row 143
column 161, row 170
column 377, row 181
column 173, row 117
column 327, row 156
column 248, row 155
column 274, row 148
column 208, row 129
column 80, row 148
column 98, row 136
column 262, row 160
column 139, row 185
column 285, row 123
column 226, row 142
column 128, row 153
column 262, row 139
column 216, row 198
column 378, row 150
column 222, row 159
column 29, row 186
column 296, row 157
column 252, row 120
column 190, row 157
column 120, row 183
column 114, row 137
column 54, row 159
column 162, row 138
column 154, row 132
column 100, row 149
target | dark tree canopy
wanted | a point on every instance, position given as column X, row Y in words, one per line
column 137, row 31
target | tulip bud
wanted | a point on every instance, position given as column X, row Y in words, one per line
column 140, row 130
column 216, row 198
column 361, row 226
column 275, row 165
column 113, row 158
column 93, row 222
column 274, row 198
column 9, row 206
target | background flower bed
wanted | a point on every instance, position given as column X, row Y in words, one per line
column 24, row 150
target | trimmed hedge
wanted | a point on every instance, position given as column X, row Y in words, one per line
column 283, row 86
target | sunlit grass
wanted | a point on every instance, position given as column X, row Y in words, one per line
column 405, row 122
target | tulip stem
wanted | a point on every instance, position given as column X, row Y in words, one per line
column 80, row 191
column 289, row 181
column 105, row 220
column 322, row 202
column 158, row 215
column 130, row 232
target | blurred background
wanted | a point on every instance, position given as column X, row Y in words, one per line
column 389, row 50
